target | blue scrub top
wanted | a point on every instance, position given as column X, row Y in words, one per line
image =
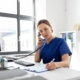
column 54, row 50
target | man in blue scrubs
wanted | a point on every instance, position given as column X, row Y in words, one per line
column 54, row 51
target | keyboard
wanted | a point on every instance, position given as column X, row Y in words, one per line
column 24, row 63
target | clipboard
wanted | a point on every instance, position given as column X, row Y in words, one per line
column 37, row 69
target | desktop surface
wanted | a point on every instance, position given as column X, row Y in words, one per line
column 7, row 74
column 34, row 78
column 61, row 74
column 57, row 74
column 76, row 78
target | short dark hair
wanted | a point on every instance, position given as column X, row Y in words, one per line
column 44, row 21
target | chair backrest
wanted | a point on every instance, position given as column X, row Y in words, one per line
column 69, row 60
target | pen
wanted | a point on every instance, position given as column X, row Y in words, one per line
column 52, row 60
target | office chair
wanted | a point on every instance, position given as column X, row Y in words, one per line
column 69, row 60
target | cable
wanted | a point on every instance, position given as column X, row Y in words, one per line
column 29, row 54
column 20, row 58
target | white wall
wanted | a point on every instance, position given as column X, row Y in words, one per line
column 55, row 13
column 62, row 14
column 72, row 13
column 40, row 9
column 40, row 12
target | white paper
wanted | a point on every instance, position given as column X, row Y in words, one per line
column 37, row 68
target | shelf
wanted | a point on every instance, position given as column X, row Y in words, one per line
column 73, row 31
column 72, row 38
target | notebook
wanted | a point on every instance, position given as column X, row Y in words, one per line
column 37, row 68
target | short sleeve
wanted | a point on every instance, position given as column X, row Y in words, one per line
column 64, row 48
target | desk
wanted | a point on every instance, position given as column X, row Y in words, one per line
column 58, row 74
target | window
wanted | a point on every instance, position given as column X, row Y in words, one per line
column 26, row 7
column 26, row 35
column 8, row 6
column 8, row 34
column 17, row 26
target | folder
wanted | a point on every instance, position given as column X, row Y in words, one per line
column 76, row 27
column 64, row 36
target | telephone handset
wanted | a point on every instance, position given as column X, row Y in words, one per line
column 39, row 34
